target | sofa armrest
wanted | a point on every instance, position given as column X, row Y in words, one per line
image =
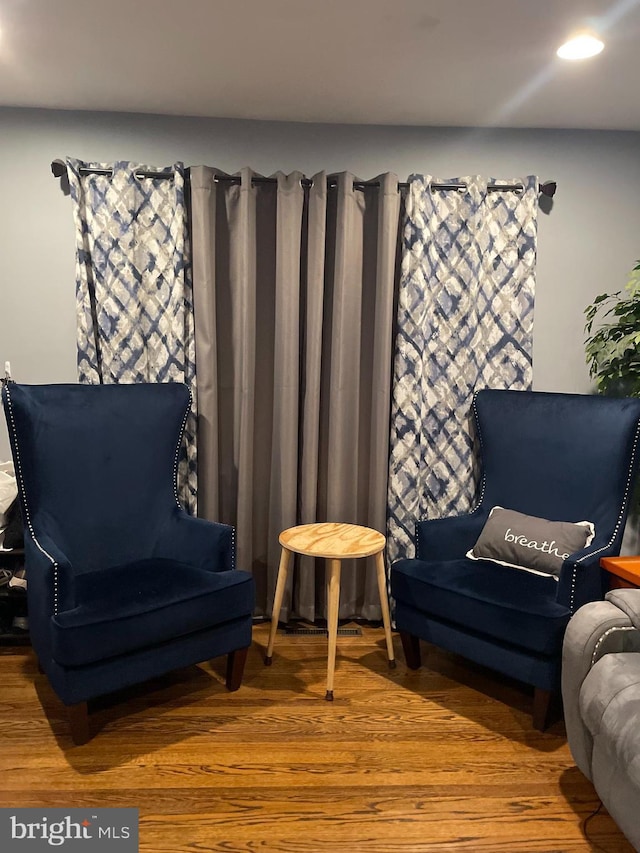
column 197, row 542
column 598, row 628
column 448, row 538
column 628, row 601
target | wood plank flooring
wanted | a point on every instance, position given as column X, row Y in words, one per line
column 441, row 759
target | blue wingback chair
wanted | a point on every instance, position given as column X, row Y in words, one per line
column 562, row 457
column 123, row 585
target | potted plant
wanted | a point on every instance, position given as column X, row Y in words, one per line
column 613, row 351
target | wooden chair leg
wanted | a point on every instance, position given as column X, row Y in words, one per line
column 235, row 668
column 411, row 649
column 78, row 716
column 545, row 708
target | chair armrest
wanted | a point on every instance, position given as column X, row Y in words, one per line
column 50, row 575
column 448, row 538
column 597, row 629
column 197, row 542
column 50, row 590
column 581, row 578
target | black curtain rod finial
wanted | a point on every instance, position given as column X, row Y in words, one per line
column 548, row 188
column 58, row 168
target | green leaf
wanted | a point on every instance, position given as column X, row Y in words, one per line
column 600, row 298
column 613, row 351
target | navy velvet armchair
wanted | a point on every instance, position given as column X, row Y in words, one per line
column 123, row 585
column 561, row 457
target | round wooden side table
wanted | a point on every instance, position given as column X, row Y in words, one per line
column 333, row 542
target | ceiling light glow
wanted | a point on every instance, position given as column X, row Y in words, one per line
column 581, row 46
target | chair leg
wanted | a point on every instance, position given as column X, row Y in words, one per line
column 544, row 708
column 411, row 649
column 78, row 716
column 235, row 668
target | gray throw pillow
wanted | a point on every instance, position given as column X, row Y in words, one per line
column 526, row 542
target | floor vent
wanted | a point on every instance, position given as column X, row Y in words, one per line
column 322, row 632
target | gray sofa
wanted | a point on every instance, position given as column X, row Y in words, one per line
column 601, row 694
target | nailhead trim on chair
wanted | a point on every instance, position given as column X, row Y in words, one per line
column 604, row 636
column 233, row 548
column 618, row 522
column 624, row 498
column 26, row 505
column 572, row 595
column 483, row 485
column 176, row 458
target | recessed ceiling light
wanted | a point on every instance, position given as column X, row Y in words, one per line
column 581, row 46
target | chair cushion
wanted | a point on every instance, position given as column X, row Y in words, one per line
column 518, row 608
column 129, row 607
column 610, row 708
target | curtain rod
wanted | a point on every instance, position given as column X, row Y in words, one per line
column 548, row 188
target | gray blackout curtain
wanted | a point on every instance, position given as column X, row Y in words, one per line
column 294, row 308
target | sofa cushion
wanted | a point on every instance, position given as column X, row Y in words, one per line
column 129, row 607
column 610, row 708
column 518, row 608
column 526, row 542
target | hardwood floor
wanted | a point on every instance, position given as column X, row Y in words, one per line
column 439, row 759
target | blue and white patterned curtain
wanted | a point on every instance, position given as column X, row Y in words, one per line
column 465, row 322
column 133, row 285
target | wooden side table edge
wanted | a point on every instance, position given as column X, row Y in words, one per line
column 624, row 572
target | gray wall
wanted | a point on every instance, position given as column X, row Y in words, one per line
column 587, row 243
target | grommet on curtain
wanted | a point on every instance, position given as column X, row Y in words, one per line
column 436, row 187
column 518, row 189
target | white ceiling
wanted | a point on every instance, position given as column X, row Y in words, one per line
column 404, row 62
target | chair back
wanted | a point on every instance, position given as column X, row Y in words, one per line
column 96, row 465
column 565, row 457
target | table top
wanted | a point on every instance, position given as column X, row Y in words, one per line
column 625, row 567
column 332, row 540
